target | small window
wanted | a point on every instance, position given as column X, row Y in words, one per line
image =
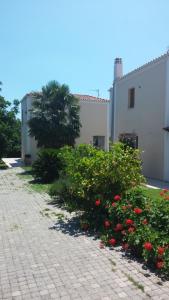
column 131, row 98
column 99, row 142
column 129, row 139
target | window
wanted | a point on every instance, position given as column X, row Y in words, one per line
column 99, row 142
column 129, row 139
column 131, row 100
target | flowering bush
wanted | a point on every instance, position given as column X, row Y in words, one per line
column 105, row 186
column 138, row 224
column 97, row 175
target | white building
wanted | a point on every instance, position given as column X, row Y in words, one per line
column 94, row 117
column 140, row 107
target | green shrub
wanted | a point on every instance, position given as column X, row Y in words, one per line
column 47, row 166
column 138, row 223
column 95, row 172
column 61, row 191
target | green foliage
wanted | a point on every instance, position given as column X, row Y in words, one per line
column 96, row 172
column 106, row 186
column 138, row 222
column 46, row 167
column 10, row 129
column 3, row 166
column 55, row 116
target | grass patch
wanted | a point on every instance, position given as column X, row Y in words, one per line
column 15, row 227
column 46, row 212
column 134, row 282
column 152, row 193
column 34, row 185
column 112, row 262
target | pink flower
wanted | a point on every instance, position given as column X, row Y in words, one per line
column 113, row 204
column 131, row 229
column 160, row 250
column 107, row 224
column 159, row 264
column 125, row 246
column 118, row 227
column 117, row 198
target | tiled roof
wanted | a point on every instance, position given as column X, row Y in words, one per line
column 86, row 98
column 90, row 98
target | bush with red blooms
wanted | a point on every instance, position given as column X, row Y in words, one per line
column 106, row 188
column 139, row 224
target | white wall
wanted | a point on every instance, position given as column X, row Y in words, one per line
column 146, row 119
column 94, row 117
column 166, row 124
column 29, row 145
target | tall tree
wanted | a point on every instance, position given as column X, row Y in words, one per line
column 55, row 118
column 10, row 129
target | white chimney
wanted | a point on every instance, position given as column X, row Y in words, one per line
column 118, row 68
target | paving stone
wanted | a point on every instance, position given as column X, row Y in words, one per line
column 39, row 263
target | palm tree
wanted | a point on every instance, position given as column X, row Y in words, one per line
column 55, row 118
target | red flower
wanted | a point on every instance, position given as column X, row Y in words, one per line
column 117, row 197
column 113, row 204
column 112, row 242
column 145, row 222
column 137, row 211
column 148, row 246
column 160, row 250
column 125, row 246
column 161, row 193
column 159, row 264
column 131, row 229
column 129, row 222
column 165, row 191
column 166, row 197
column 119, row 227
column 107, row 224
column 97, row 202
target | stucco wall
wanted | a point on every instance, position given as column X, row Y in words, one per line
column 94, row 119
column 146, row 119
column 95, row 122
column 29, row 145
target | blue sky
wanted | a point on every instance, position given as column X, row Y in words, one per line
column 75, row 41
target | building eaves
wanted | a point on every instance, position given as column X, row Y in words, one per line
column 88, row 98
column 154, row 61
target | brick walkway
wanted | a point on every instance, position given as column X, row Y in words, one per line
column 39, row 263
